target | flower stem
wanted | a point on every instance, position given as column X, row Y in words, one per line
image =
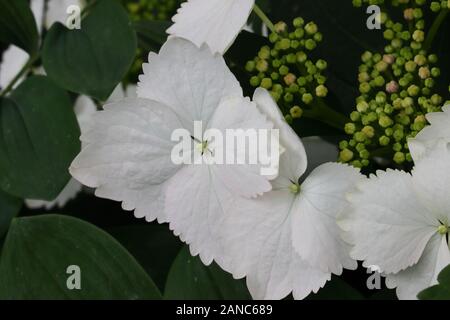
column 323, row 113
column 435, row 28
column 264, row 18
column 19, row 75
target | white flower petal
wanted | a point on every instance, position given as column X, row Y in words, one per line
column 387, row 223
column 215, row 22
column 288, row 138
column 127, row 155
column 241, row 114
column 85, row 108
column 257, row 236
column 195, row 206
column 280, row 271
column 119, row 93
column 431, row 177
column 411, row 281
column 427, row 138
column 315, row 234
column 187, row 79
column 13, row 60
column 68, row 193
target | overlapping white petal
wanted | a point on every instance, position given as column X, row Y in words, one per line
column 285, row 242
column 395, row 219
column 427, row 138
column 411, row 281
column 321, row 199
column 214, row 22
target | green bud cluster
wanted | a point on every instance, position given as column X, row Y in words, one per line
column 286, row 69
column 397, row 90
column 152, row 10
column 434, row 6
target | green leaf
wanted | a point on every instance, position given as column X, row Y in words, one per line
column 39, row 250
column 337, row 289
column 9, row 207
column 17, row 25
column 151, row 34
column 39, row 137
column 154, row 247
column 440, row 291
column 95, row 58
column 190, row 279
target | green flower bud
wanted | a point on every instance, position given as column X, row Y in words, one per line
column 399, row 157
column 311, row 28
column 355, row 116
column 307, row 98
column 433, row 58
column 310, row 44
column 262, row 65
column 264, row 53
column 364, row 87
column 288, row 118
column 280, row 27
column 266, row 83
column 288, row 97
column 413, row 90
column 350, row 128
column 284, row 44
column 298, row 22
column 255, row 81
column 384, row 141
column 284, row 70
column 410, row 66
column 435, row 72
column 346, row 155
column 420, row 60
column 289, row 79
column 296, row 112
column 321, row 91
column 273, row 37
column 419, row 36
column 398, row 135
column 359, row 137
column 385, row 122
column 250, row 66
column 369, row 131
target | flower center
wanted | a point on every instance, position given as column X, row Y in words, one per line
column 443, row 229
column 294, row 188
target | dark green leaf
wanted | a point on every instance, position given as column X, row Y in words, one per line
column 151, row 34
column 190, row 279
column 154, row 247
column 38, row 251
column 9, row 207
column 17, row 25
column 440, row 291
column 337, row 289
column 94, row 59
column 39, row 137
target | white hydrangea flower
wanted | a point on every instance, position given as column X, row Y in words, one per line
column 428, row 137
column 287, row 240
column 214, row 22
column 127, row 151
column 399, row 222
